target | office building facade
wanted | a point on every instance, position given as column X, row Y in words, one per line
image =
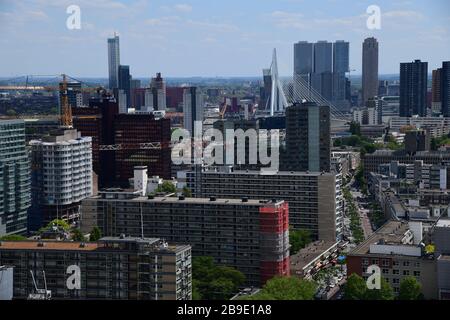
column 124, row 86
column 15, row 194
column 307, row 138
column 192, row 108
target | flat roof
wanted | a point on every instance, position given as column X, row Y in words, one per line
column 310, row 253
column 392, row 232
column 268, row 173
column 444, row 223
column 48, row 245
column 233, row 201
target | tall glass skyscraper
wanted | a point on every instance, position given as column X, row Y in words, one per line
column 321, row 66
column 15, row 195
column 113, row 61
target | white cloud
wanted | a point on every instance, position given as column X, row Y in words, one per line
column 183, row 7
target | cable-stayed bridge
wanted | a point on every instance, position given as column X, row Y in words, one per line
column 287, row 91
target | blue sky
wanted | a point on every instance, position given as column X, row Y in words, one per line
column 211, row 37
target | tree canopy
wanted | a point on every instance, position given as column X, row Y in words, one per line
column 13, row 237
column 298, row 239
column 356, row 289
column 286, row 288
column 213, row 282
column 95, row 234
column 166, row 187
column 410, row 289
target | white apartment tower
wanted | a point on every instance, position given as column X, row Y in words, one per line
column 61, row 176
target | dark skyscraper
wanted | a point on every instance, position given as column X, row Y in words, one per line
column 125, row 82
column 341, row 57
column 340, row 67
column 369, row 69
column 307, row 138
column 413, row 88
column 445, row 88
column 303, row 65
column 322, row 77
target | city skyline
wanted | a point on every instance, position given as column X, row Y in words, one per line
column 195, row 38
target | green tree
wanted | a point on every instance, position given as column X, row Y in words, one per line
column 60, row 223
column 384, row 293
column 11, row 112
column 298, row 239
column 13, row 237
column 167, row 187
column 212, row 282
column 286, row 288
column 355, row 128
column 410, row 289
column 187, row 192
column 77, row 235
column 355, row 288
column 290, row 288
column 95, row 234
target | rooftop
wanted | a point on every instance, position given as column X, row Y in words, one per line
column 392, row 232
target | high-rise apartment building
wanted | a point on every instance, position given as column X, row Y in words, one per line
column 436, row 83
column 369, row 69
column 113, row 61
column 124, row 85
column 61, row 172
column 122, row 268
column 249, row 235
column 192, row 108
column 308, row 138
column 315, row 198
column 445, row 88
column 15, row 195
column 413, row 88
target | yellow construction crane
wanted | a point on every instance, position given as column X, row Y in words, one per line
column 66, row 109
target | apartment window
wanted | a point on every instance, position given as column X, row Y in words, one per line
column 406, row 272
column 365, row 262
column 385, row 263
column 396, row 280
column 417, row 273
column 395, row 271
column 395, row 263
column 385, row 271
column 406, row 263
